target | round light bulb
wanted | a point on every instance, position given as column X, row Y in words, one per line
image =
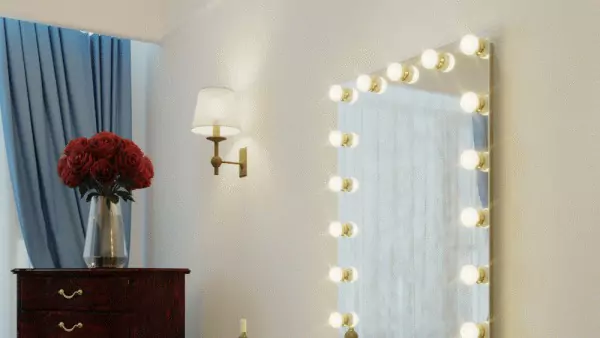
column 336, row 93
column 470, row 44
column 336, row 320
column 470, row 275
column 470, row 217
column 414, row 77
column 470, row 102
column 470, row 159
column 355, row 140
column 336, row 274
column 395, row 71
column 449, row 63
column 430, row 59
column 336, row 138
column 336, row 183
column 364, row 83
column 470, row 330
column 355, row 185
column 336, row 229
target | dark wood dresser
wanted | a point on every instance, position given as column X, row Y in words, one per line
column 101, row 303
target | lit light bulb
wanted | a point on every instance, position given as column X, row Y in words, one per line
column 471, row 103
column 339, row 184
column 341, row 275
column 337, row 320
column 339, row 139
column 472, row 159
column 338, row 93
column 430, row 59
column 472, row 330
column 399, row 73
column 471, row 217
column 471, row 274
column 367, row 83
column 472, row 45
column 337, row 229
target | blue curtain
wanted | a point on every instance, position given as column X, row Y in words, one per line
column 57, row 84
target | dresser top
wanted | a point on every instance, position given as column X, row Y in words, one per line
column 81, row 272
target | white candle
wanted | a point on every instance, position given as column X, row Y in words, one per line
column 243, row 325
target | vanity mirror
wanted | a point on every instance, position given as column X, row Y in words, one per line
column 413, row 182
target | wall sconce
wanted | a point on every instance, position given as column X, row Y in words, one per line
column 471, row 274
column 343, row 275
column 473, row 330
column 337, row 229
column 431, row 59
column 213, row 118
column 337, row 320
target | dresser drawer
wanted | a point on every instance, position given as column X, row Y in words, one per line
column 40, row 324
column 77, row 294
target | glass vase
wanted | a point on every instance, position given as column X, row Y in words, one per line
column 105, row 245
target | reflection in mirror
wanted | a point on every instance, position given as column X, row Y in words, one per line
column 419, row 267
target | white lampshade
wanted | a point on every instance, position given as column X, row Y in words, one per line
column 216, row 106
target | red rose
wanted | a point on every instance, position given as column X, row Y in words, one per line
column 76, row 145
column 129, row 160
column 70, row 180
column 62, row 165
column 80, row 163
column 131, row 146
column 148, row 167
column 104, row 144
column 144, row 179
column 103, row 171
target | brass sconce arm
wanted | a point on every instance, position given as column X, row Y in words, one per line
column 217, row 161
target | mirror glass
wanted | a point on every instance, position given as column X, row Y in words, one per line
column 411, row 247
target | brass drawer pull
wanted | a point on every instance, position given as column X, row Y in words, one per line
column 76, row 326
column 76, row 293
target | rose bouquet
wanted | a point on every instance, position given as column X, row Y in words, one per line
column 105, row 165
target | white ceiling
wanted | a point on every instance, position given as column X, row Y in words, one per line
column 137, row 19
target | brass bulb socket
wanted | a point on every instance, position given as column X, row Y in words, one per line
column 348, row 95
column 348, row 230
column 348, row 185
column 484, row 275
column 483, row 161
column 348, row 320
column 484, row 216
column 347, row 140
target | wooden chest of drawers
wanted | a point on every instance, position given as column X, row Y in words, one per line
column 101, row 303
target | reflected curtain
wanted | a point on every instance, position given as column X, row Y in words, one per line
column 57, row 84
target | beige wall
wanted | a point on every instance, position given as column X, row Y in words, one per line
column 257, row 247
column 137, row 19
